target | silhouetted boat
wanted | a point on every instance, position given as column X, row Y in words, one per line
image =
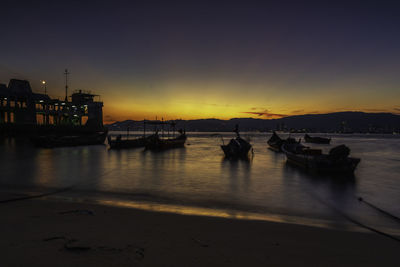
column 237, row 147
column 316, row 139
column 337, row 161
column 275, row 142
column 155, row 142
column 119, row 143
column 50, row 141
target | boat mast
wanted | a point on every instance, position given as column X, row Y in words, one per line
column 162, row 127
column 66, row 73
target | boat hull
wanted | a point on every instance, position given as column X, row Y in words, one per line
column 125, row 144
column 157, row 144
column 237, row 148
column 321, row 163
column 275, row 142
column 316, row 140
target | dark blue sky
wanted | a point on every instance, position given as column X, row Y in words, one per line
column 209, row 59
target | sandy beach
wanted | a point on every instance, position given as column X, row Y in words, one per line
column 38, row 232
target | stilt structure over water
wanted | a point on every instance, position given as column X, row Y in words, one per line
column 23, row 111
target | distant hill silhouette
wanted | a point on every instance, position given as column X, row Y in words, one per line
column 331, row 122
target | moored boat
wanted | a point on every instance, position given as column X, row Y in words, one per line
column 275, row 142
column 316, row 139
column 155, row 142
column 119, row 143
column 313, row 160
column 237, row 147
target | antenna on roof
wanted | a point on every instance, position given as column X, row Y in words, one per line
column 66, row 73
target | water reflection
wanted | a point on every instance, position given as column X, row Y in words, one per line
column 199, row 175
column 238, row 173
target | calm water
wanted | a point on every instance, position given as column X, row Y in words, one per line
column 198, row 180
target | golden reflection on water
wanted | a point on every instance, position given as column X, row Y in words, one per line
column 199, row 174
column 227, row 214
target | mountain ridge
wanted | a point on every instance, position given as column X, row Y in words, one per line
column 347, row 121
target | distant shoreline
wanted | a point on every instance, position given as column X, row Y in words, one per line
column 339, row 122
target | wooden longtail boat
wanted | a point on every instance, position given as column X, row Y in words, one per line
column 237, row 147
column 155, row 142
column 316, row 139
column 275, row 142
column 119, row 143
column 313, row 160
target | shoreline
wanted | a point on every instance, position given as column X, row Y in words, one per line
column 114, row 200
column 48, row 232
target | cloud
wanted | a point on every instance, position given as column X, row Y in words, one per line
column 255, row 108
column 298, row 111
column 265, row 114
column 376, row 110
column 396, row 111
column 109, row 119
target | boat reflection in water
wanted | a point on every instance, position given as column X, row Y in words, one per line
column 197, row 176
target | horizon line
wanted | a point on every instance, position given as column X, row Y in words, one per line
column 286, row 116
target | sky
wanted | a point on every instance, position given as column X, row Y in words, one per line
column 208, row 59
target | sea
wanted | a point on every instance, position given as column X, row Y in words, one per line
column 199, row 180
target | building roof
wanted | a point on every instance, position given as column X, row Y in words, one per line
column 43, row 97
column 19, row 87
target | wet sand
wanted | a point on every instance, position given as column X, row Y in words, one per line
column 39, row 232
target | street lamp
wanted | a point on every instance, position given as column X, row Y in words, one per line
column 45, row 88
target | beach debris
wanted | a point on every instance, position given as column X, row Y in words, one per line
column 36, row 196
column 75, row 248
column 109, row 249
column 204, row 245
column 139, row 254
column 379, row 209
column 87, row 212
column 54, row 238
